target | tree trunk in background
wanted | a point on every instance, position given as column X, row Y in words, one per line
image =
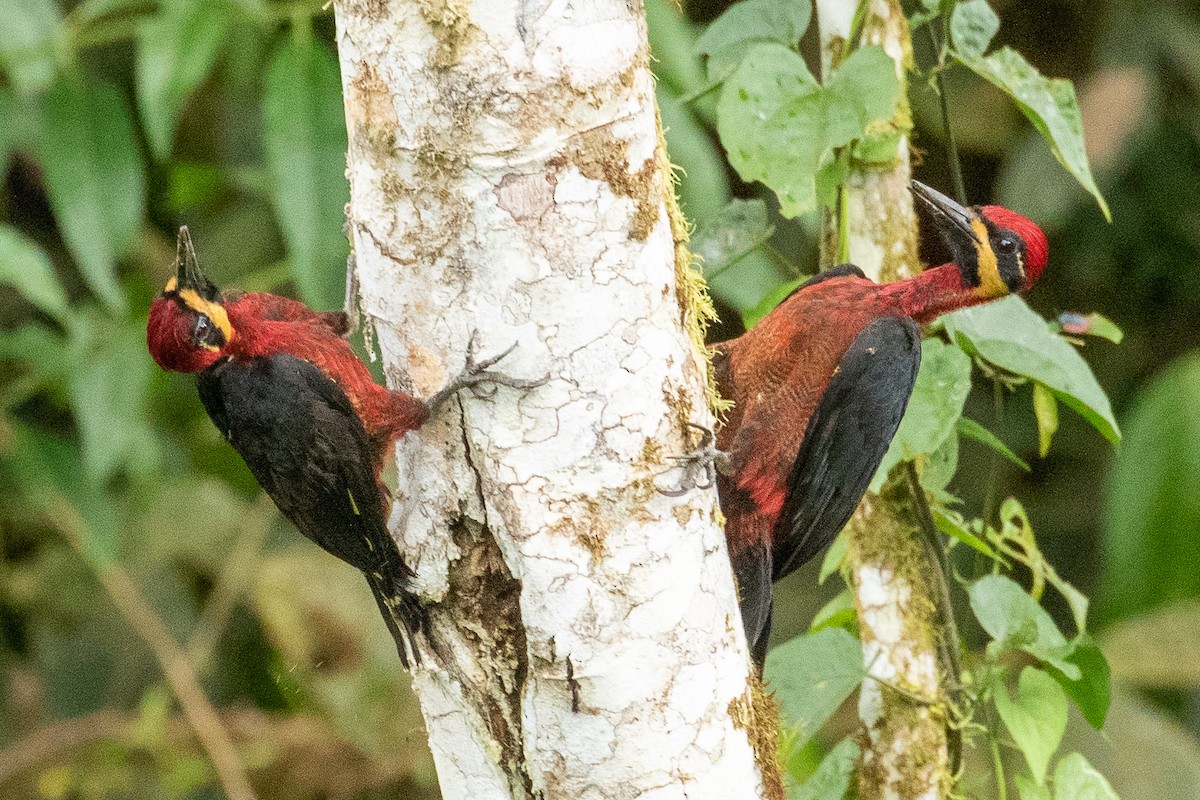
column 905, row 751
column 508, row 177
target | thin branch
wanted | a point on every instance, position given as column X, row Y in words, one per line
column 960, row 189
column 231, row 583
column 172, row 660
column 949, row 638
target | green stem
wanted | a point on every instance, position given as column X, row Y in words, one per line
column 998, row 766
column 949, row 640
column 731, row 262
column 960, row 190
column 989, row 497
column 783, row 260
column 97, row 35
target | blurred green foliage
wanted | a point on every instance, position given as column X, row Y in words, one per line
column 121, row 119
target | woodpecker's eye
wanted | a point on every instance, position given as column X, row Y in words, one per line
column 204, row 333
column 1006, row 246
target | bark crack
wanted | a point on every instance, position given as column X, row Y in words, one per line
column 485, row 604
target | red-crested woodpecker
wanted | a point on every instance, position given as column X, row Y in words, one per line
column 282, row 385
column 820, row 384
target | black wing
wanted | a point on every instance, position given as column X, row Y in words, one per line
column 840, row 271
column 300, row 437
column 847, row 437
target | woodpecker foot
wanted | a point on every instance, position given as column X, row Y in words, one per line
column 481, row 380
column 701, row 465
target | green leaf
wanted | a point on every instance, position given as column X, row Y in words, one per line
column 1049, row 104
column 829, row 180
column 1076, row 779
column 973, row 430
column 834, row 557
column 938, row 468
column 972, row 26
column 25, row 267
column 1093, row 691
column 728, row 37
column 1016, row 528
column 703, row 185
column 1014, row 619
column 831, row 781
column 812, row 675
column 779, row 124
column 677, row 66
column 45, row 366
column 47, row 469
column 1037, row 718
column 28, row 46
column 306, row 152
column 176, row 51
column 1045, row 411
column 879, row 146
column 1092, row 324
column 8, row 121
column 110, row 379
column 729, row 241
column 1010, row 335
column 951, row 525
column 1029, row 790
column 95, row 179
column 672, row 38
column 723, row 240
column 771, row 299
column 941, row 389
column 90, row 11
column 926, row 11
column 1153, row 509
column 1158, row 649
column 839, row 612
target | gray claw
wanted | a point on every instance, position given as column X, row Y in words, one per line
column 479, row 379
column 701, row 465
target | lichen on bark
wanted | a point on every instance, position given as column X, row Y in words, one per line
column 508, row 180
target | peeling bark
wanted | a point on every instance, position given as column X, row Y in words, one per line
column 904, row 753
column 507, row 177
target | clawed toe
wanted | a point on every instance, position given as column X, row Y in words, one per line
column 700, row 466
column 482, row 381
column 479, row 368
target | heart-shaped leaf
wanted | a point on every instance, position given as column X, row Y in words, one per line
column 1036, row 718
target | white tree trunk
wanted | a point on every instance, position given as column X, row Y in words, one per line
column 507, row 178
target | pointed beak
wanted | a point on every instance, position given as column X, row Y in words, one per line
column 188, row 274
column 953, row 219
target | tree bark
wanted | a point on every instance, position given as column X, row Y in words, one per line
column 508, row 177
column 905, row 754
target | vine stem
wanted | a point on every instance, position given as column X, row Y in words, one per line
column 960, row 189
column 949, row 640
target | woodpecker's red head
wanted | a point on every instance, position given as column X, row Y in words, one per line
column 997, row 251
column 188, row 329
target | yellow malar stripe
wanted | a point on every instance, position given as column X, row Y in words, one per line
column 990, row 282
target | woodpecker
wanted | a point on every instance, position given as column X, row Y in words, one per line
column 820, row 384
column 282, row 385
